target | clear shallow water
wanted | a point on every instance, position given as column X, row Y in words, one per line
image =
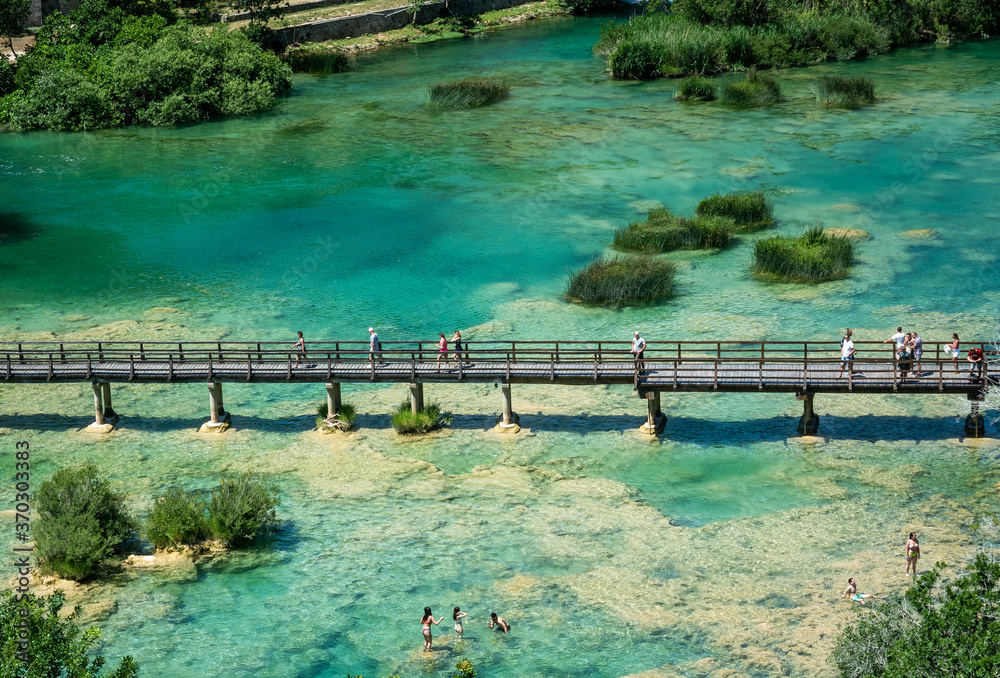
column 351, row 205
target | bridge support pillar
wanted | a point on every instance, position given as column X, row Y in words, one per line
column 416, row 398
column 332, row 399
column 508, row 422
column 974, row 425
column 809, row 423
column 219, row 419
column 104, row 417
column 655, row 420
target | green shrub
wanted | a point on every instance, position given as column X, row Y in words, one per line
column 58, row 646
column 845, row 92
column 177, row 519
column 241, row 509
column 468, row 93
column 464, row 669
column 82, row 523
column 7, row 82
column 319, row 60
column 695, row 88
column 429, row 418
column 664, row 232
column 621, row 280
column 750, row 210
column 756, row 89
column 347, row 415
column 812, row 257
column 635, row 60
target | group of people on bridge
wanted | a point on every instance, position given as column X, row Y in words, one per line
column 909, row 351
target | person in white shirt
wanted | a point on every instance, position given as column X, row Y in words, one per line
column 639, row 349
column 899, row 338
column 846, row 354
column 374, row 347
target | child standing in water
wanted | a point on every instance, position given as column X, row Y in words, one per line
column 458, row 615
column 425, row 623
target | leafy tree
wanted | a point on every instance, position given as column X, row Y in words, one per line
column 261, row 12
column 13, row 16
column 928, row 632
column 56, row 647
column 82, row 522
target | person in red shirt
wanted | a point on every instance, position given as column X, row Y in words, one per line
column 976, row 363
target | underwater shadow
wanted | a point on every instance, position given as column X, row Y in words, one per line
column 16, row 227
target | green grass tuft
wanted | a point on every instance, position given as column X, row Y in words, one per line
column 663, row 232
column 695, row 88
column 319, row 60
column 623, row 280
column 346, row 416
column 429, row 418
column 751, row 210
column 812, row 257
column 468, row 93
column 757, row 89
column 845, row 92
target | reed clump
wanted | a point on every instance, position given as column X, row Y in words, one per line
column 319, row 61
column 814, row 256
column 749, row 210
column 695, row 88
column 620, row 280
column 343, row 420
column 755, row 90
column 845, row 92
column 427, row 419
column 468, row 93
column 663, row 231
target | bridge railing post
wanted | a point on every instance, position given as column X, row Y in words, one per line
column 90, row 372
column 8, row 367
column 62, row 353
column 249, row 366
column 20, row 353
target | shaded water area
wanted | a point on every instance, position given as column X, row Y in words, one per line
column 722, row 544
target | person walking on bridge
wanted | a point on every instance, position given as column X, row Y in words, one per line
column 300, row 349
column 639, row 350
column 846, row 355
column 374, row 347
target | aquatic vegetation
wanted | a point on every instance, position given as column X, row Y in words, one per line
column 58, row 644
column 756, row 89
column 468, row 93
column 427, row 419
column 845, row 92
column 623, row 280
column 464, row 669
column 751, row 210
column 695, row 88
column 82, row 523
column 241, row 509
column 177, row 519
column 343, row 420
column 662, row 231
column 319, row 60
column 812, row 257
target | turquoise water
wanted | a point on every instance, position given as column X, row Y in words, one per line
column 721, row 544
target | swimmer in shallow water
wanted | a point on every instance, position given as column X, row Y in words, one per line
column 458, row 615
column 852, row 592
column 425, row 623
column 499, row 623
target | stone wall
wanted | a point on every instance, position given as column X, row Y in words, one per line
column 43, row 8
column 386, row 20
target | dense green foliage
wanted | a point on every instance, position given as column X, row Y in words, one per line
column 7, row 84
column 13, row 17
column 812, row 257
column 82, row 523
column 845, row 92
column 177, row 519
column 58, row 646
column 347, row 414
column 696, row 37
column 756, row 89
column 931, row 630
column 103, row 66
column 319, row 60
column 241, row 509
column 429, row 418
column 468, row 93
column 622, row 280
column 695, row 88
column 464, row 669
column 751, row 210
column 663, row 231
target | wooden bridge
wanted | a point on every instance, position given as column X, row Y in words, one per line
column 803, row 368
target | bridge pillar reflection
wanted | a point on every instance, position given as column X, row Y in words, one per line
column 508, row 422
column 219, row 419
column 655, row 420
column 975, row 427
column 809, row 423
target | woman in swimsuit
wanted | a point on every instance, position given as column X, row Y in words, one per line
column 498, row 623
column 912, row 553
column 442, row 351
column 953, row 347
column 426, row 622
column 300, row 349
column 458, row 615
column 457, row 350
column 852, row 592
